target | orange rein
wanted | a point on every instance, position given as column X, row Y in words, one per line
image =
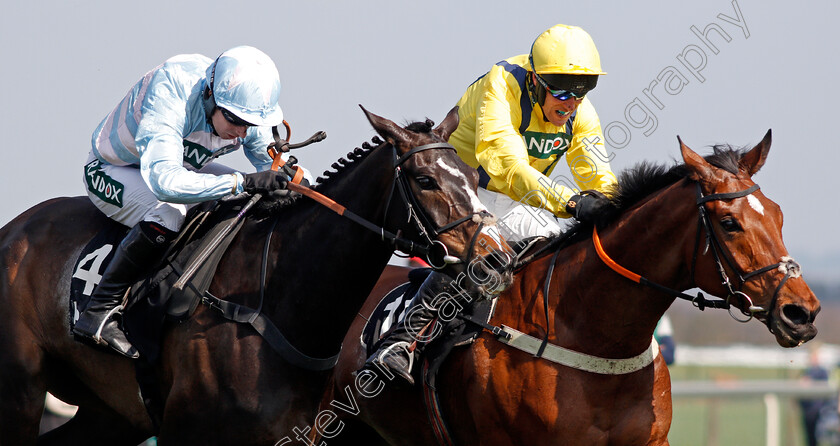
column 610, row 262
column 274, row 153
column 698, row 301
column 317, row 196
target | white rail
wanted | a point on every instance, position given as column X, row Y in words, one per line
column 768, row 390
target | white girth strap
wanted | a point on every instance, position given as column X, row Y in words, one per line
column 581, row 361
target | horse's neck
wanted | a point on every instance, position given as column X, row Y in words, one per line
column 598, row 311
column 327, row 264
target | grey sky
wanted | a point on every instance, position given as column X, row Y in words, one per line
column 67, row 64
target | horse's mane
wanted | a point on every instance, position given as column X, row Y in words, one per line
column 344, row 164
column 643, row 179
column 358, row 154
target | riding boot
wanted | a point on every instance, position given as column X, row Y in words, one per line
column 396, row 351
column 141, row 250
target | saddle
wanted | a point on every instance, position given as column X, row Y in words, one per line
column 154, row 300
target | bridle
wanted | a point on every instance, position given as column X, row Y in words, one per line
column 788, row 266
column 424, row 224
column 433, row 250
column 541, row 348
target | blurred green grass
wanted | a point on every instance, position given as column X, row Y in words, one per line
column 730, row 421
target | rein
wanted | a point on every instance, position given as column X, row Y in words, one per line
column 419, row 216
column 699, row 301
column 264, row 326
column 541, row 348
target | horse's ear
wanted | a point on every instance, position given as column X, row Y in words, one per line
column 448, row 125
column 752, row 161
column 699, row 169
column 387, row 129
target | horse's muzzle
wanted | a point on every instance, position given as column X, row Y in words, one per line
column 793, row 326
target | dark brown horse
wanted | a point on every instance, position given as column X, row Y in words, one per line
column 221, row 383
column 494, row 394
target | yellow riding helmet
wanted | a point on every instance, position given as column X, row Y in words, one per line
column 564, row 49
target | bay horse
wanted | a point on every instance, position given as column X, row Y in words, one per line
column 221, row 383
column 494, row 394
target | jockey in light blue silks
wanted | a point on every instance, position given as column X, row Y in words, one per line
column 152, row 160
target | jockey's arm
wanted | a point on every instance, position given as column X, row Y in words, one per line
column 160, row 145
column 161, row 166
column 587, row 156
column 501, row 151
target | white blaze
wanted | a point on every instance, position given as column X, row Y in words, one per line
column 477, row 205
column 755, row 204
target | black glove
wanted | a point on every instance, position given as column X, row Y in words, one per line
column 587, row 205
column 264, row 182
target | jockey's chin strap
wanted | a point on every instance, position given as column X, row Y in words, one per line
column 787, row 265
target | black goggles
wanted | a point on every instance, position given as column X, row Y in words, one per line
column 566, row 86
column 233, row 119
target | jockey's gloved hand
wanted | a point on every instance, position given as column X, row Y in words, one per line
column 587, row 205
column 266, row 181
column 289, row 193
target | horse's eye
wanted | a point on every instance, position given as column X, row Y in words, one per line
column 729, row 224
column 426, row 183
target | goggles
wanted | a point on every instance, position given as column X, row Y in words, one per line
column 233, row 119
column 560, row 95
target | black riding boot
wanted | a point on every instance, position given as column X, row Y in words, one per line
column 395, row 353
column 139, row 252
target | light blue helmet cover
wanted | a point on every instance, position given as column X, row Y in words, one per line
column 246, row 82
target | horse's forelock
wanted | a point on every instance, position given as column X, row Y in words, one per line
column 421, row 127
column 726, row 157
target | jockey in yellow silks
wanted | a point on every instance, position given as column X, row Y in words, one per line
column 516, row 122
column 521, row 117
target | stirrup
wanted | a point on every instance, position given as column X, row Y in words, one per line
column 97, row 337
column 380, row 358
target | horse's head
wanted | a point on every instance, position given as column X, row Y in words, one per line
column 437, row 191
column 745, row 257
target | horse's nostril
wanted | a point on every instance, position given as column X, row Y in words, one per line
column 795, row 314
